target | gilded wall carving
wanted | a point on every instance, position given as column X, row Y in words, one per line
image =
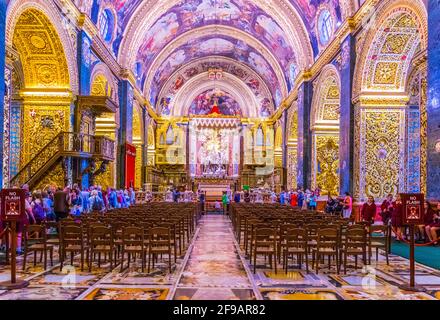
column 42, row 124
column 41, row 51
column 326, row 171
column 390, row 55
column 382, row 152
column 292, row 168
column 105, row 179
column 54, row 177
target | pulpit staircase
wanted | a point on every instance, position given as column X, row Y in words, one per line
column 65, row 144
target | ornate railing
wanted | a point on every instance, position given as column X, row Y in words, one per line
column 65, row 144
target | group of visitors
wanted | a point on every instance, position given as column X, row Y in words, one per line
column 55, row 204
column 308, row 200
column 391, row 213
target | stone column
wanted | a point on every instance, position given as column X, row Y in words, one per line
column 3, row 7
column 346, row 132
column 433, row 107
column 126, row 126
column 305, row 95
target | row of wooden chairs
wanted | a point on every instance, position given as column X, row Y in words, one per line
column 285, row 229
column 133, row 232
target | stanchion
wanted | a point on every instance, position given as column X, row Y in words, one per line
column 412, row 287
column 14, row 283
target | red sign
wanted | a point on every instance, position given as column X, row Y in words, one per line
column 413, row 208
column 13, row 204
column 130, row 165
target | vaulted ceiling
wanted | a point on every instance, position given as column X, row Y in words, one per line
column 275, row 38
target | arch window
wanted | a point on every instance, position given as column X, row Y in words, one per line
column 106, row 25
column 325, row 27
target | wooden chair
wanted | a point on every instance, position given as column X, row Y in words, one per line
column 264, row 243
column 378, row 238
column 35, row 240
column 53, row 238
column 132, row 244
column 159, row 243
column 295, row 243
column 327, row 245
column 73, row 241
column 101, row 242
column 355, row 244
column 172, row 228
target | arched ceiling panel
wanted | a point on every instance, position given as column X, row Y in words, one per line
column 240, row 13
column 191, row 14
column 217, row 46
column 226, row 103
column 227, row 66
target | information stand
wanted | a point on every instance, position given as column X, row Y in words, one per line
column 13, row 210
column 413, row 215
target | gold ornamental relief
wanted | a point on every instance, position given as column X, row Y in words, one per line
column 41, row 51
column 386, row 73
column 105, row 180
column 53, row 178
column 41, row 125
column 327, row 162
column 382, row 153
column 395, row 43
column 138, row 171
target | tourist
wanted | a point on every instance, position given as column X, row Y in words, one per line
column 112, row 199
column 273, row 197
column 202, row 201
column 85, row 195
column 247, row 197
column 217, row 206
column 386, row 209
column 300, row 198
column 434, row 227
column 37, row 208
column 368, row 211
column 396, row 218
column 61, row 204
column 428, row 219
column 176, row 195
column 237, row 197
column 132, row 196
column 48, row 207
column 282, row 197
column 225, row 202
column 95, row 202
column 313, row 202
column 330, row 205
column 294, row 199
column 348, row 206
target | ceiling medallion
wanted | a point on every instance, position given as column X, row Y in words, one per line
column 38, row 42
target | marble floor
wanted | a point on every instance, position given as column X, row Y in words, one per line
column 214, row 268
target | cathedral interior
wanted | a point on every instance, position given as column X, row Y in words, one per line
column 340, row 96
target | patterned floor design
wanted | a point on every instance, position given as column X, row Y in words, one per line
column 215, row 268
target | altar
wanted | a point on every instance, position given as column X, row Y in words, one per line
column 214, row 147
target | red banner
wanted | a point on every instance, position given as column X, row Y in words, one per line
column 130, row 165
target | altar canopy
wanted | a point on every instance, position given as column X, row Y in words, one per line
column 214, row 147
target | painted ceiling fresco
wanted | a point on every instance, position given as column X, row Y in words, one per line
column 244, row 15
column 309, row 11
column 183, row 75
column 219, row 46
column 204, row 103
column 241, row 14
